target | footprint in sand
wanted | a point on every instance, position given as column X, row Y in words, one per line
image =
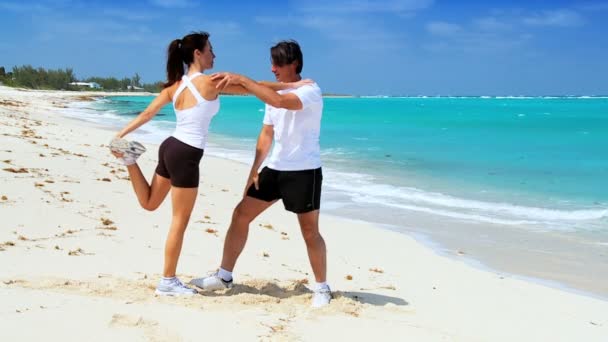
column 151, row 329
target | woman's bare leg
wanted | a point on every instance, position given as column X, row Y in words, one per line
column 183, row 202
column 150, row 196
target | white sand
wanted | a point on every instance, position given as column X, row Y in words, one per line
column 65, row 275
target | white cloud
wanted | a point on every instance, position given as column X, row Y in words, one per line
column 491, row 24
column 355, row 34
column 363, row 6
column 58, row 27
column 340, row 29
column 558, row 18
column 221, row 28
column 351, row 24
column 475, row 42
column 131, row 15
column 484, row 35
column 441, row 28
column 22, row 7
column 601, row 6
column 174, row 3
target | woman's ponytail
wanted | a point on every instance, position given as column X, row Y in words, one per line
column 175, row 63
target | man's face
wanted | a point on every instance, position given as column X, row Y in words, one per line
column 284, row 73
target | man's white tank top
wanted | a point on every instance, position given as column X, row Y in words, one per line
column 193, row 123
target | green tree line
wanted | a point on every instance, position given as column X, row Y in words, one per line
column 39, row 78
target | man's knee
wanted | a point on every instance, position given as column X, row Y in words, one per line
column 241, row 214
column 311, row 234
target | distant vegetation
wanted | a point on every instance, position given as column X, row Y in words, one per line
column 29, row 77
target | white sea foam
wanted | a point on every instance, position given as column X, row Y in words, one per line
column 366, row 189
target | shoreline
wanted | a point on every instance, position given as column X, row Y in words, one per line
column 523, row 262
column 397, row 285
column 512, row 249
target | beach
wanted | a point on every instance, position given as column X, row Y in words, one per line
column 80, row 259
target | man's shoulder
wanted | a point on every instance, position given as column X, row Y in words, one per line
column 313, row 86
column 312, row 89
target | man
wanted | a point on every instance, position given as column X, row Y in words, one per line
column 293, row 120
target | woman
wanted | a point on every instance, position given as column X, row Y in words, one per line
column 195, row 100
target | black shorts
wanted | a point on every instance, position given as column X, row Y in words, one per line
column 299, row 190
column 179, row 161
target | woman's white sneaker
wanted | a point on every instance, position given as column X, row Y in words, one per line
column 173, row 287
column 131, row 150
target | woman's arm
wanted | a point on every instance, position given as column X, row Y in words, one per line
column 153, row 108
column 288, row 101
column 276, row 86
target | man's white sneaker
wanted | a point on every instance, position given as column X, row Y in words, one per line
column 211, row 283
column 321, row 297
column 173, row 287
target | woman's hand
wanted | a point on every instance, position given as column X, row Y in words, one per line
column 115, row 153
column 225, row 79
column 301, row 83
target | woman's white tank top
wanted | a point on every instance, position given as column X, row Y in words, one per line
column 193, row 123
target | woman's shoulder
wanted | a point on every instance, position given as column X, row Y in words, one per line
column 170, row 90
column 202, row 79
column 205, row 86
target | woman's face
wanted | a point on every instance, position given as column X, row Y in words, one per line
column 207, row 56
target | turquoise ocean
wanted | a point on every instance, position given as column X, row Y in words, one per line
column 535, row 163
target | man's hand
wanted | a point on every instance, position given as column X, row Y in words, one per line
column 253, row 179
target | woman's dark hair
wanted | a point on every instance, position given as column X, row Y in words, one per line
column 287, row 52
column 181, row 51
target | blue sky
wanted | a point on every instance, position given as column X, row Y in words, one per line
column 392, row 47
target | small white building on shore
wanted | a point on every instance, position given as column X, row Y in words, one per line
column 92, row 85
column 134, row 88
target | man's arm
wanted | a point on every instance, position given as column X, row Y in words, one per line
column 261, row 151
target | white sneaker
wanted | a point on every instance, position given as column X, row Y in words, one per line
column 128, row 159
column 321, row 297
column 173, row 287
column 211, row 283
column 131, row 150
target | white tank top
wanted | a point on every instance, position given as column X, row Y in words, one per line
column 193, row 123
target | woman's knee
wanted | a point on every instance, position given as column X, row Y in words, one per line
column 149, row 206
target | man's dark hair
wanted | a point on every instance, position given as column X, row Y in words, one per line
column 287, row 52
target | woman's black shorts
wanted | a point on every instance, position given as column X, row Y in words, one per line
column 179, row 161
